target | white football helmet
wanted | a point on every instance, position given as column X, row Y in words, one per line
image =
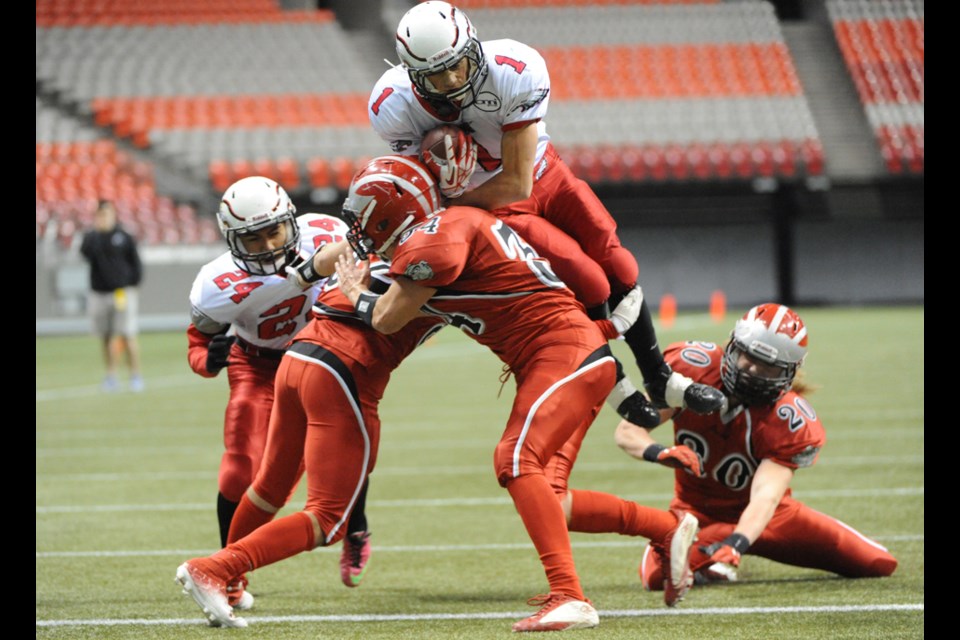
column 434, row 36
column 773, row 334
column 252, row 204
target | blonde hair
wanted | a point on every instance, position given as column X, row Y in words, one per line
column 801, row 385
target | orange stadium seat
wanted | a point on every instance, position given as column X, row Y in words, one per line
column 319, row 172
column 221, row 175
column 343, row 170
column 288, row 171
column 266, row 167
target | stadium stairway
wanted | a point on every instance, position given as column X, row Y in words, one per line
column 844, row 130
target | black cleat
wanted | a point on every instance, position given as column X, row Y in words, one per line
column 637, row 409
column 671, row 389
column 701, row 398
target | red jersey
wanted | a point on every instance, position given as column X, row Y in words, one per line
column 731, row 446
column 337, row 328
column 491, row 284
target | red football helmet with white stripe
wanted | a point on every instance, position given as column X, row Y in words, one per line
column 388, row 196
column 772, row 334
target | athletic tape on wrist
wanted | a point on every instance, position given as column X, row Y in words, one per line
column 308, row 272
column 738, row 541
column 650, row 453
column 364, row 307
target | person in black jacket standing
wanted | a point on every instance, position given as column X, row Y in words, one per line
column 115, row 273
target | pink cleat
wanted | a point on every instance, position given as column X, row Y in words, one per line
column 353, row 558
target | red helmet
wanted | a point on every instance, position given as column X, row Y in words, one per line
column 773, row 334
column 388, row 196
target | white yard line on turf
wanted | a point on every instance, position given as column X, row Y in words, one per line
column 616, row 613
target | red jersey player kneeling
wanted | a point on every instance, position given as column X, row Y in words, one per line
column 748, row 456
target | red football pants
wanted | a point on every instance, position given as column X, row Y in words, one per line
column 565, row 221
column 560, row 388
column 800, row 536
column 319, row 416
column 245, row 422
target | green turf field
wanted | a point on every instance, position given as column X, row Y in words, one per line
column 126, row 489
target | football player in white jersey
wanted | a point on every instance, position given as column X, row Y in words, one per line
column 498, row 91
column 244, row 310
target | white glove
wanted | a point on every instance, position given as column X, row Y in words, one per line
column 628, row 310
column 456, row 172
column 303, row 274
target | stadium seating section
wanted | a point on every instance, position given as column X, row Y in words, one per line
column 882, row 44
column 643, row 91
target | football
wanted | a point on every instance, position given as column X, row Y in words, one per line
column 432, row 150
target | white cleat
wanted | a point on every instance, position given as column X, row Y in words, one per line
column 559, row 612
column 674, row 554
column 716, row 572
column 210, row 595
column 244, row 603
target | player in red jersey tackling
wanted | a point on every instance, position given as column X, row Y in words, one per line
column 472, row 270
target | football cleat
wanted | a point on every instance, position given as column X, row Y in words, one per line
column 353, row 558
column 559, row 612
column 630, row 404
column 237, row 595
column 716, row 572
column 674, row 556
column 210, row 594
column 637, row 410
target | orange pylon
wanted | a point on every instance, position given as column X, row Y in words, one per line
column 668, row 310
column 718, row 305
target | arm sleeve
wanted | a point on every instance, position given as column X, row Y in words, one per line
column 197, row 351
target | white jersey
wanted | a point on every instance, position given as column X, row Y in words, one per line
column 515, row 92
column 265, row 311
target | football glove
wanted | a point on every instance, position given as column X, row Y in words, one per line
column 729, row 550
column 628, row 310
column 218, row 352
column 456, row 172
column 304, row 273
column 677, row 457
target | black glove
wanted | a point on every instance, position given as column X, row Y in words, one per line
column 218, row 351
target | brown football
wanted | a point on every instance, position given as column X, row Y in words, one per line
column 432, row 149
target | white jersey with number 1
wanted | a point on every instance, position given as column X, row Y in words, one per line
column 516, row 92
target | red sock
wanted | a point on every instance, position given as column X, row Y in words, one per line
column 543, row 518
column 246, row 519
column 276, row 541
column 595, row 512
